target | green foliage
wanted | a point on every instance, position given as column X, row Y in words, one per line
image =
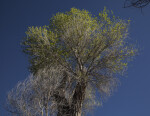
column 81, row 52
column 76, row 39
column 93, row 49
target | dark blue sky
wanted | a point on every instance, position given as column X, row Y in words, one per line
column 133, row 95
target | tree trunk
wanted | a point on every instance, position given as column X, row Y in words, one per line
column 78, row 99
column 75, row 109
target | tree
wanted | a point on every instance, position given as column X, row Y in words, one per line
column 71, row 60
column 136, row 3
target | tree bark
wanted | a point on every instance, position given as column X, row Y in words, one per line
column 78, row 99
column 75, row 109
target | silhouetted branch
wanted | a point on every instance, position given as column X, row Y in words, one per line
column 136, row 3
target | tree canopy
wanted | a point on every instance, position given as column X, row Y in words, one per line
column 92, row 52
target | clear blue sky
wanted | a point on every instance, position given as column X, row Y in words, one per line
column 133, row 95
